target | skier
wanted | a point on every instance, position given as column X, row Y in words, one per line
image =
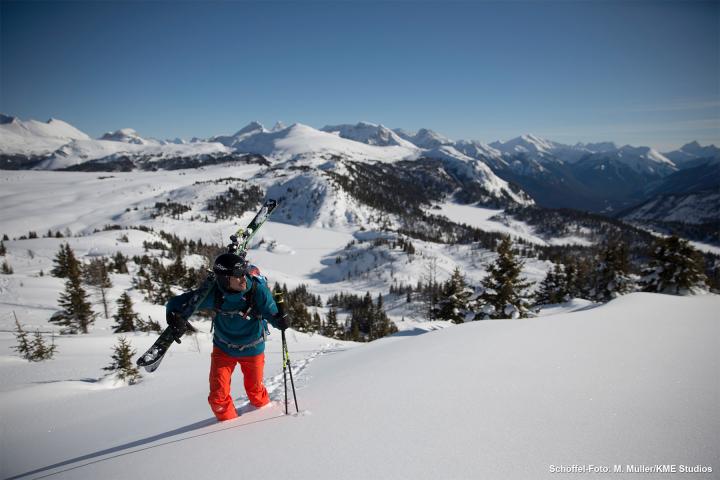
column 243, row 305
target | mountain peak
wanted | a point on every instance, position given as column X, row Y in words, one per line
column 6, row 119
column 252, row 127
column 368, row 133
column 125, row 135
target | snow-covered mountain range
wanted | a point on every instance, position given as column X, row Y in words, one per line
column 591, row 176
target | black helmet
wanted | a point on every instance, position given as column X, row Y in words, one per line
column 229, row 264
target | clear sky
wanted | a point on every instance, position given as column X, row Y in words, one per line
column 638, row 72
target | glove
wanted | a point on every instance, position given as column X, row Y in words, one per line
column 177, row 324
column 282, row 322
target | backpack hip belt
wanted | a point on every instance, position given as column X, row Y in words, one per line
column 241, row 347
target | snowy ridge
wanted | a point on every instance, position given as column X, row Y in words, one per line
column 692, row 151
column 312, row 200
column 370, row 134
column 424, row 138
column 474, row 169
column 128, row 135
column 77, row 152
column 696, row 207
column 532, row 145
column 33, row 137
column 300, row 140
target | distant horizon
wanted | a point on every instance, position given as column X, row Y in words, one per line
column 268, row 126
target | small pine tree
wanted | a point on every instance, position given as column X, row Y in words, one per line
column 504, row 292
column 675, row 268
column 122, row 363
column 331, row 327
column 382, row 326
column 64, row 261
column 6, row 269
column 96, row 275
column 23, row 346
column 454, row 301
column 316, row 325
column 554, row 288
column 149, row 326
column 125, row 317
column 41, row 351
column 3, row 250
column 119, row 263
column 612, row 276
column 36, row 350
column 77, row 314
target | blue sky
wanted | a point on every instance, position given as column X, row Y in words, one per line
column 644, row 73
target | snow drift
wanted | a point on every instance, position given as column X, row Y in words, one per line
column 630, row 382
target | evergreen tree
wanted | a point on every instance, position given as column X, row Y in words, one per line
column 430, row 288
column 454, row 301
column 23, row 346
column 331, row 327
column 125, row 317
column 164, row 291
column 64, row 260
column 36, row 350
column 612, row 276
column 554, row 287
column 675, row 268
column 579, row 275
column 96, row 275
column 147, row 326
column 119, row 263
column 77, row 314
column 122, row 363
column 504, row 292
column 6, row 269
column 3, row 250
column 41, row 351
column 382, row 326
column 354, row 332
column 316, row 325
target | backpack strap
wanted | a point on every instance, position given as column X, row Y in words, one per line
column 249, row 297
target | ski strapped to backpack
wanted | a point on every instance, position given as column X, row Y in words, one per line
column 151, row 359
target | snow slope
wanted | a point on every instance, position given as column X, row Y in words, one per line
column 495, row 220
column 368, row 133
column 633, row 382
column 300, row 140
column 35, row 138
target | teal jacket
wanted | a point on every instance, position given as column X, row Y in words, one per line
column 234, row 334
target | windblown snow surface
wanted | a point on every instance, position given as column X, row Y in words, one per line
column 633, row 382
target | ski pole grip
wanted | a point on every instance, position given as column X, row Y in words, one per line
column 280, row 302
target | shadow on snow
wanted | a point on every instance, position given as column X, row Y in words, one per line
column 122, row 450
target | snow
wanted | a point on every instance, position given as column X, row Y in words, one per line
column 34, row 138
column 530, row 144
column 369, row 133
column 495, row 220
column 301, row 140
column 700, row 207
column 630, row 382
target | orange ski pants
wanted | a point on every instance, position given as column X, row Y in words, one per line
column 222, row 366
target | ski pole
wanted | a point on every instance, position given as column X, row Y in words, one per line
column 284, row 372
column 286, row 355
